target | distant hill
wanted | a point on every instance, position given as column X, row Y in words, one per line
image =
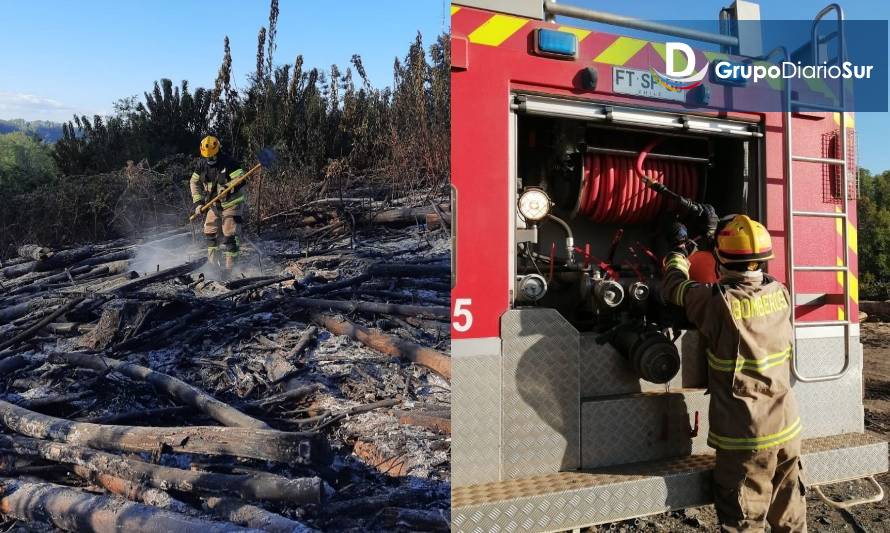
column 50, row 132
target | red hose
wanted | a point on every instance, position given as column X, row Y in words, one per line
column 641, row 157
column 613, row 190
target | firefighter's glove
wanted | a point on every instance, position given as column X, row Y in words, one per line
column 685, row 248
column 680, row 241
column 198, row 209
column 678, row 233
column 709, row 221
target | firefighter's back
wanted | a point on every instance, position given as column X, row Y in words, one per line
column 752, row 404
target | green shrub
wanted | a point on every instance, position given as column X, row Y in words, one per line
column 25, row 163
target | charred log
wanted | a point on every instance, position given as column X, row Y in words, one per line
column 178, row 389
column 74, row 510
column 264, row 444
column 421, row 355
column 253, row 487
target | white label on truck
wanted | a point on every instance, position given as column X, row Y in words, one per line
column 642, row 83
column 463, row 313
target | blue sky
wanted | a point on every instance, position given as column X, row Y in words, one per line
column 873, row 128
column 60, row 56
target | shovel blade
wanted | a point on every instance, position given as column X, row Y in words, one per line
column 267, row 157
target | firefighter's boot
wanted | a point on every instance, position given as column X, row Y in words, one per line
column 213, row 255
column 229, row 263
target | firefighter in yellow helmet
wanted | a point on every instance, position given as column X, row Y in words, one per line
column 745, row 322
column 222, row 226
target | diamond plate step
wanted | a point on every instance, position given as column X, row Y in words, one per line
column 641, row 427
column 569, row 500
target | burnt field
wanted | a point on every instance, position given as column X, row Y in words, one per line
column 141, row 390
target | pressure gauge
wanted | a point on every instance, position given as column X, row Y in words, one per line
column 534, row 204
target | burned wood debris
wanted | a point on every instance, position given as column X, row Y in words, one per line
column 140, row 389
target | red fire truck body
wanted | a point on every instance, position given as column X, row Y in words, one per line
column 552, row 429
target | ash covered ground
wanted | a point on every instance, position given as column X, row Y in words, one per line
column 339, row 333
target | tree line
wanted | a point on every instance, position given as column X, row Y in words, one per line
column 332, row 130
column 319, row 122
column 873, row 210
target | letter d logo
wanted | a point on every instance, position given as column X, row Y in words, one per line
column 671, row 50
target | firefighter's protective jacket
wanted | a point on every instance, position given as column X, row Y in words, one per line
column 209, row 180
column 745, row 322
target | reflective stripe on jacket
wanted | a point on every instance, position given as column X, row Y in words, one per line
column 745, row 323
column 208, row 180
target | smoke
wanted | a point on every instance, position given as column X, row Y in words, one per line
column 167, row 252
column 173, row 250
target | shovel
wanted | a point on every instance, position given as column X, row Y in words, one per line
column 266, row 159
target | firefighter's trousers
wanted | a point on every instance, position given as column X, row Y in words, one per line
column 752, row 488
column 222, row 228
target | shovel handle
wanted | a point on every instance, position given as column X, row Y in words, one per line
column 241, row 179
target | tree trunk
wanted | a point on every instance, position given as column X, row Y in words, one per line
column 30, row 332
column 244, row 514
column 424, row 311
column 63, row 258
column 264, row 444
column 426, row 357
column 133, row 491
column 155, row 277
column 34, row 252
column 182, row 391
column 254, row 487
column 394, row 270
column 74, row 510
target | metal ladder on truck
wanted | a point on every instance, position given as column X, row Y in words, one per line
column 843, row 216
column 791, row 214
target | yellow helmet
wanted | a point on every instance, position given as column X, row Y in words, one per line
column 209, row 146
column 742, row 240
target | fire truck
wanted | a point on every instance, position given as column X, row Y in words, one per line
column 579, row 397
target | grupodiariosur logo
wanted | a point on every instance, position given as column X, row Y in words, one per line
column 674, row 78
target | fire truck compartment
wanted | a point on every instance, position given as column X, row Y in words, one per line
column 587, row 168
column 568, row 402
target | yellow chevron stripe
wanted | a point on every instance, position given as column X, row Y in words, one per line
column 851, row 119
column 679, row 58
column 619, row 52
column 854, row 288
column 496, row 30
column 852, row 233
column 454, row 9
column 853, row 243
column 579, row 33
column 854, row 282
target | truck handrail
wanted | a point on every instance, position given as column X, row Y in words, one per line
column 552, row 8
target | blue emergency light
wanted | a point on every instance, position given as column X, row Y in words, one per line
column 555, row 43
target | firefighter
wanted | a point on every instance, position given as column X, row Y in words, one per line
column 745, row 322
column 222, row 226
